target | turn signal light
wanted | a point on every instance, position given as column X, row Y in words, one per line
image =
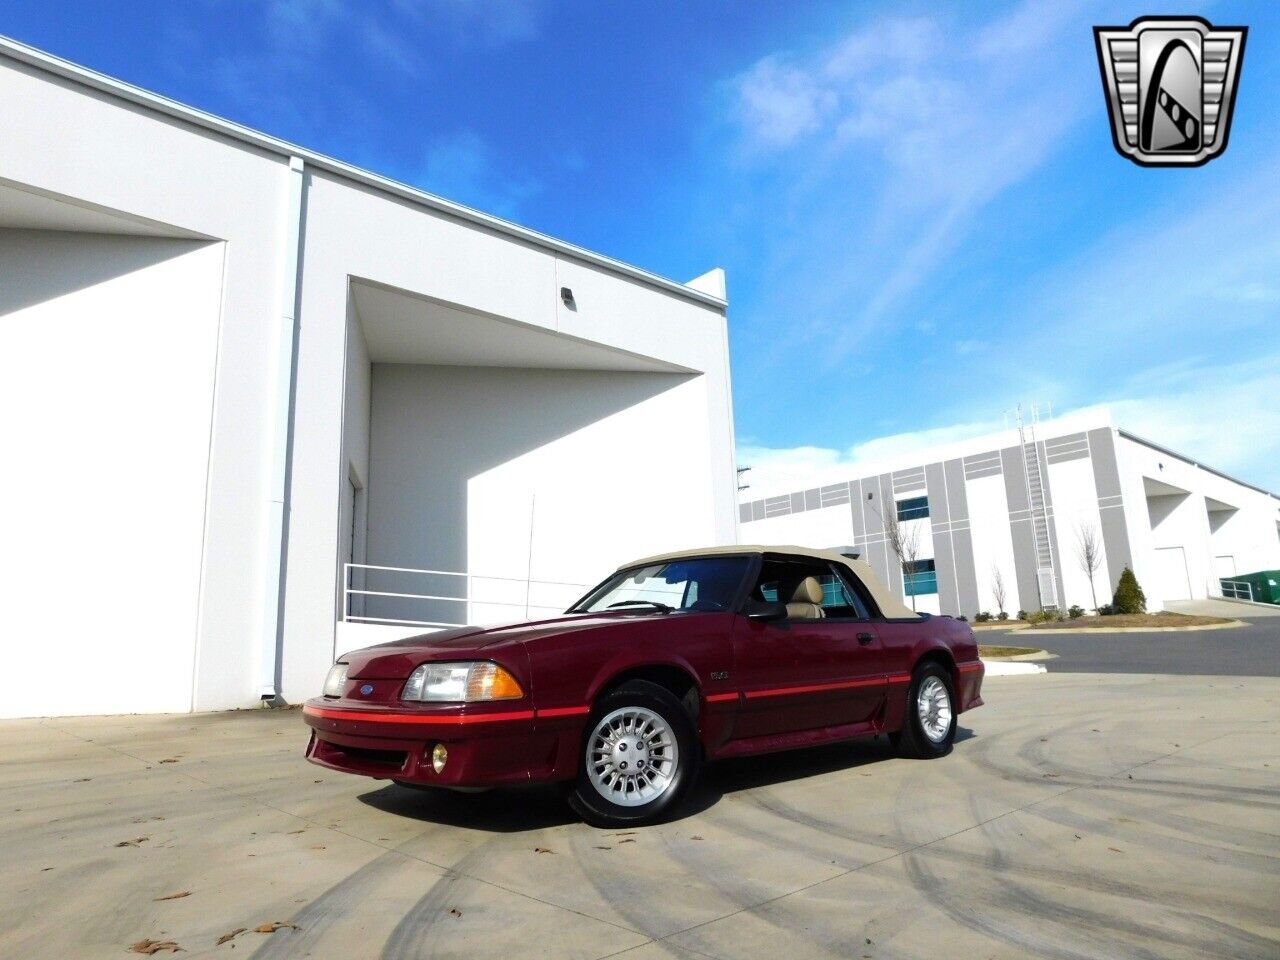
column 488, row 681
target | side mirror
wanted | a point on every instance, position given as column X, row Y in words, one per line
column 766, row 610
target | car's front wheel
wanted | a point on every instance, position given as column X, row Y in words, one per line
column 930, row 725
column 638, row 757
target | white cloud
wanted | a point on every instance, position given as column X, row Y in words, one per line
column 780, row 103
column 781, row 470
column 462, row 167
column 1220, row 415
column 888, row 142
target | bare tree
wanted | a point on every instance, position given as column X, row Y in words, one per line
column 998, row 590
column 1089, row 554
column 905, row 541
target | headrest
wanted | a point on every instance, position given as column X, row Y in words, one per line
column 808, row 590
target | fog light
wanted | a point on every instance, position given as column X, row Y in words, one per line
column 439, row 756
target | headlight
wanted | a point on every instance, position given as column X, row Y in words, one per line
column 336, row 680
column 461, row 683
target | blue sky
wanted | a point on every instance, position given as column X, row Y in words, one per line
column 918, row 205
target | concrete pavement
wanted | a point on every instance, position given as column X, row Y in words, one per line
column 1214, row 607
column 1251, row 650
column 1079, row 816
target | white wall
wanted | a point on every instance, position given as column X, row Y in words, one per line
column 1075, row 508
column 107, row 356
column 992, row 543
column 98, row 151
column 1183, row 521
column 609, row 467
column 130, row 164
column 820, row 529
column 357, row 233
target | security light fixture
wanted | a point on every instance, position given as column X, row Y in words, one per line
column 566, row 296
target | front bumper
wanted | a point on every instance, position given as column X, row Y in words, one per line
column 487, row 746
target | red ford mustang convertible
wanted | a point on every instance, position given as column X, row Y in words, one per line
column 671, row 661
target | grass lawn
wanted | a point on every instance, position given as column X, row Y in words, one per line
column 1130, row 621
column 989, row 651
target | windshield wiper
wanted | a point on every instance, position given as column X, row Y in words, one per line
column 661, row 607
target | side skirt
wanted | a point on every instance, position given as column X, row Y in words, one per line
column 773, row 742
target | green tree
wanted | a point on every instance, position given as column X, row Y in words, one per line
column 1129, row 597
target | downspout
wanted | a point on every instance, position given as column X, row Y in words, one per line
column 276, row 553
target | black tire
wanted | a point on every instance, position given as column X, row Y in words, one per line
column 913, row 740
column 590, row 803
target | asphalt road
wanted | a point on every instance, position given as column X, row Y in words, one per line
column 1249, row 651
column 1079, row 816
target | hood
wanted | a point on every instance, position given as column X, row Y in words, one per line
column 398, row 658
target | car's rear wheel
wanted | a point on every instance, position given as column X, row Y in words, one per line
column 930, row 725
column 638, row 757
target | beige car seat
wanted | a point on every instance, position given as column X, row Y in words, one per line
column 806, row 600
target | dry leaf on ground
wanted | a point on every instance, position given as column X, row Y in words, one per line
column 274, row 926
column 543, row 850
column 230, row 936
column 132, row 843
column 154, row 946
column 174, row 896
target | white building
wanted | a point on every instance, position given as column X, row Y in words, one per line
column 1017, row 504
column 231, row 367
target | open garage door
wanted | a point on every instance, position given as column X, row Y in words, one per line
column 1172, row 581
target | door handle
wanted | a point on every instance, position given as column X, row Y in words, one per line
column 865, row 637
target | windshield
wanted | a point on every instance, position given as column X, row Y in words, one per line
column 705, row 584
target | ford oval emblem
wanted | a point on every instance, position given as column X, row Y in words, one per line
column 366, row 689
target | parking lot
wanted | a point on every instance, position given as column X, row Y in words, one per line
column 1250, row 650
column 1080, row 815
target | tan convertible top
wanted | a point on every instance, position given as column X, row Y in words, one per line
column 890, row 606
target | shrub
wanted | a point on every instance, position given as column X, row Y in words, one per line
column 1075, row 612
column 1022, row 614
column 1129, row 597
column 1002, row 615
column 1043, row 616
column 981, row 617
column 963, row 617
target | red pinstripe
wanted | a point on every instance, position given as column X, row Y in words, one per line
column 373, row 716
column 564, row 712
column 814, row 688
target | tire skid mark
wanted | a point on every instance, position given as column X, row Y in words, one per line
column 964, row 908
column 333, row 906
column 1002, row 835
column 1107, row 781
column 767, row 911
column 1192, row 849
column 416, row 933
column 1115, row 790
column 628, row 896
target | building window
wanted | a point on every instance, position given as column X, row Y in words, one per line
column 913, row 508
column 919, row 578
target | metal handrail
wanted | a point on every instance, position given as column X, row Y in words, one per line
column 469, row 597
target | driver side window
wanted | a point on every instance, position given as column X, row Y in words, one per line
column 787, row 581
column 839, row 601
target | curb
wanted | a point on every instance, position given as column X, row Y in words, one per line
column 1231, row 625
column 1008, row 668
